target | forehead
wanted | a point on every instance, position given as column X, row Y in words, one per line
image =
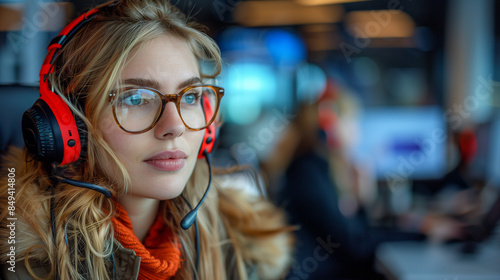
column 167, row 59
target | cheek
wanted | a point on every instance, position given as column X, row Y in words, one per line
column 111, row 132
column 194, row 139
column 116, row 139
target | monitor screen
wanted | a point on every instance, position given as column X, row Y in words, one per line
column 403, row 143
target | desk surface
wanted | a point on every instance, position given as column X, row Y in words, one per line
column 425, row 261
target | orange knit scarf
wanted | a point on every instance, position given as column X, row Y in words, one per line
column 160, row 254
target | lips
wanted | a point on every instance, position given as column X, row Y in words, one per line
column 167, row 161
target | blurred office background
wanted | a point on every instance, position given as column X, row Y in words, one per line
column 405, row 94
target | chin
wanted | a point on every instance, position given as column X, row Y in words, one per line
column 164, row 191
column 159, row 185
column 168, row 196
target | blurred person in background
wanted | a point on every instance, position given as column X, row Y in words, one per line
column 332, row 242
column 311, row 200
column 451, row 202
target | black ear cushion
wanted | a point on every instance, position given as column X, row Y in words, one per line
column 41, row 132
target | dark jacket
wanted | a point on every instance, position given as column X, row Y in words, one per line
column 339, row 247
column 126, row 267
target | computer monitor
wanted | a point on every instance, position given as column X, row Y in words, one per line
column 403, row 142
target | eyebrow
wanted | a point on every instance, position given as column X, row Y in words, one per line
column 155, row 84
column 189, row 82
column 142, row 82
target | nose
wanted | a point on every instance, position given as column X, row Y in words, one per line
column 170, row 124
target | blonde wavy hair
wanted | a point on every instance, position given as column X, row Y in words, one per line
column 88, row 68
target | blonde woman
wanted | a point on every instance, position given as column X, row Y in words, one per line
column 119, row 200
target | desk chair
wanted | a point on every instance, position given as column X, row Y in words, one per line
column 14, row 100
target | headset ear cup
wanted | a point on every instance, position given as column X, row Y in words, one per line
column 43, row 135
column 41, row 132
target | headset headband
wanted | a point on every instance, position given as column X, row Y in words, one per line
column 58, row 42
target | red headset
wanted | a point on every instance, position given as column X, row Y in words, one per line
column 209, row 139
column 51, row 132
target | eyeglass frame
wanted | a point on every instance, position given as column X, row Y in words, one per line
column 165, row 98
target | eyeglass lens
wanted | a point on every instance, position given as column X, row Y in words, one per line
column 137, row 109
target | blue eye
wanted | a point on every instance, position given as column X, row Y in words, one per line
column 134, row 100
column 137, row 97
column 190, row 98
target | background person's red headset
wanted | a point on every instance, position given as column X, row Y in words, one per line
column 53, row 134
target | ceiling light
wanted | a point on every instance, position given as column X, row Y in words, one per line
column 380, row 24
column 274, row 13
